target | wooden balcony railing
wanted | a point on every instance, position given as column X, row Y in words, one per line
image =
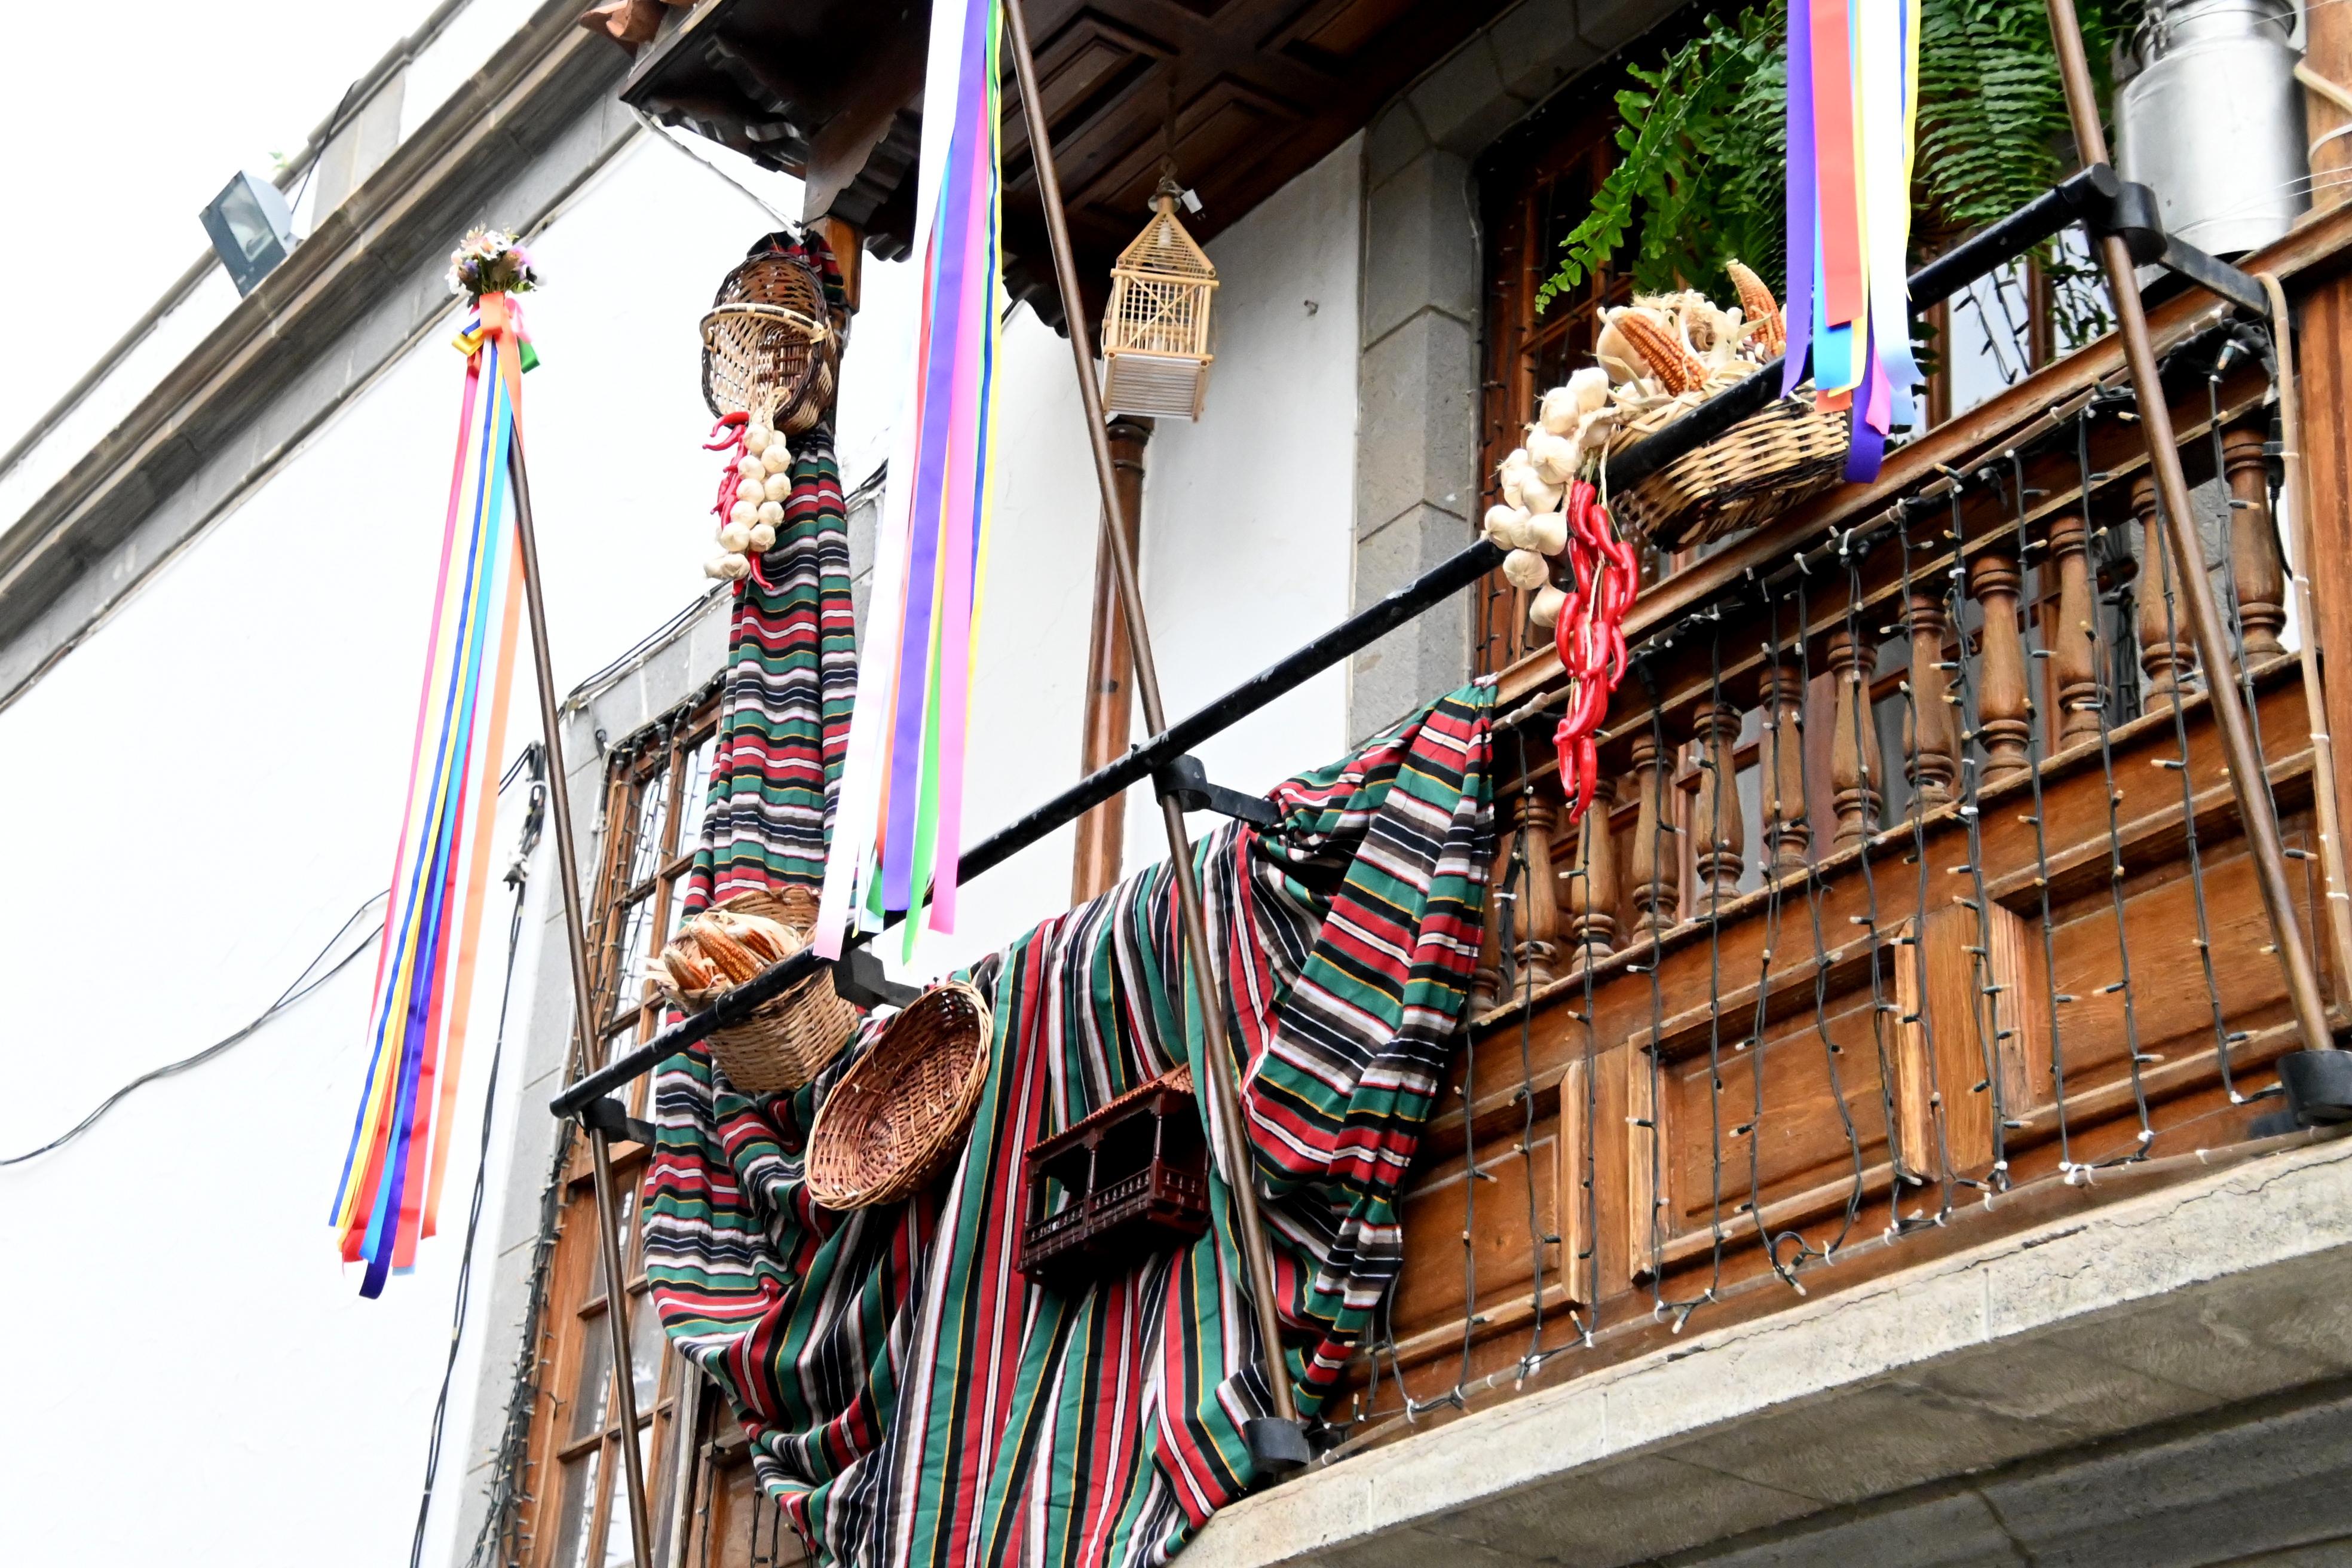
column 1918, row 905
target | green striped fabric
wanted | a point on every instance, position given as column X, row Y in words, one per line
column 910, row 1397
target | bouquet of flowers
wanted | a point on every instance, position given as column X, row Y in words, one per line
column 490, row 261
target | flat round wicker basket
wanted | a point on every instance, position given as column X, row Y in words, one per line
column 1764, row 464
column 770, row 346
column 788, row 1039
column 899, row 1113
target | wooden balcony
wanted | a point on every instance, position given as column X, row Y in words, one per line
column 1919, row 911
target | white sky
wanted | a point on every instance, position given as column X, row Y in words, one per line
column 118, row 146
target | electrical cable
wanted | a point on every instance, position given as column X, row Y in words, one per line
column 302, row 986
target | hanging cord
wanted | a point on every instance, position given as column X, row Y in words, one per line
column 304, row 984
column 518, row 879
column 2315, row 696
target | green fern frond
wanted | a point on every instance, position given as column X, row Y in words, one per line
column 1704, row 139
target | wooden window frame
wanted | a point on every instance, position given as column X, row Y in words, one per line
column 575, row 1514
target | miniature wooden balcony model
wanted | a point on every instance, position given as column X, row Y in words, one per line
column 1137, row 1176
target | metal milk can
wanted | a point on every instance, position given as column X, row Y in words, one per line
column 2209, row 115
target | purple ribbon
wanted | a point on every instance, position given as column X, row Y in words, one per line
column 1802, row 225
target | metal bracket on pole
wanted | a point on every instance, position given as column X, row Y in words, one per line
column 2111, row 204
column 857, row 979
column 1184, row 781
column 609, row 1116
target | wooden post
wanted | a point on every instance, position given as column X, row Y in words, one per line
column 2004, row 704
column 1788, row 832
column 1592, row 883
column 1486, row 976
column 1717, row 830
column 2256, row 567
column 1537, row 951
column 1657, row 852
column 847, row 243
column 2167, row 657
column 1110, row 675
column 1929, row 738
column 2074, row 633
column 2327, row 52
column 1855, row 766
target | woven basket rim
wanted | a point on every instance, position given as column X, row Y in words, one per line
column 818, row 331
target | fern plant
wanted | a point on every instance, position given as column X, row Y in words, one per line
column 1703, row 135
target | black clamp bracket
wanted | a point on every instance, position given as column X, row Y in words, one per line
column 858, row 979
column 1184, row 781
column 2111, row 204
column 607, row 1115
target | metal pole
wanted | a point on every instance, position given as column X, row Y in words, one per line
column 1224, row 1099
column 2246, row 780
column 558, row 800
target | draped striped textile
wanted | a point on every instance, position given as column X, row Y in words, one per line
column 910, row 1399
column 792, row 675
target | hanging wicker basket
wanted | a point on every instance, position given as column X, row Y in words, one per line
column 1763, row 464
column 899, row 1111
column 771, row 348
column 788, row 1039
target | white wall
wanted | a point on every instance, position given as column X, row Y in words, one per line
column 1248, row 522
column 195, row 799
column 222, row 764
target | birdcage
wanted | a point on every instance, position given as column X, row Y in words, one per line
column 1156, row 333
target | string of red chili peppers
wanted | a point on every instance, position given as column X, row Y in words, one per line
column 1604, row 574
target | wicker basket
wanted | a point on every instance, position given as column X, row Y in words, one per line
column 788, row 1039
column 897, row 1113
column 770, row 346
column 1764, row 464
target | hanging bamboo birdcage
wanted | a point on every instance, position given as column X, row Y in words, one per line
column 1156, row 332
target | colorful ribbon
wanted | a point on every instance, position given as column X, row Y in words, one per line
column 1853, row 114
column 898, row 829
column 390, row 1192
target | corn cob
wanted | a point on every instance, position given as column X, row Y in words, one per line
column 689, row 969
column 768, row 940
column 733, row 960
column 1674, row 367
column 1758, row 301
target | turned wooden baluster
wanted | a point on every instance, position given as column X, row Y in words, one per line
column 2256, row 564
column 1534, row 816
column 1719, row 835
column 1591, row 884
column 1487, row 978
column 2074, row 635
column 1930, row 738
column 1658, row 869
column 2004, row 705
column 1854, row 765
column 1781, row 692
column 2166, row 655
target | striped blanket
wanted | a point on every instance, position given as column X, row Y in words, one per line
column 910, row 1399
column 792, row 677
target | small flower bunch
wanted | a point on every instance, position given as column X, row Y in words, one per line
column 490, row 261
